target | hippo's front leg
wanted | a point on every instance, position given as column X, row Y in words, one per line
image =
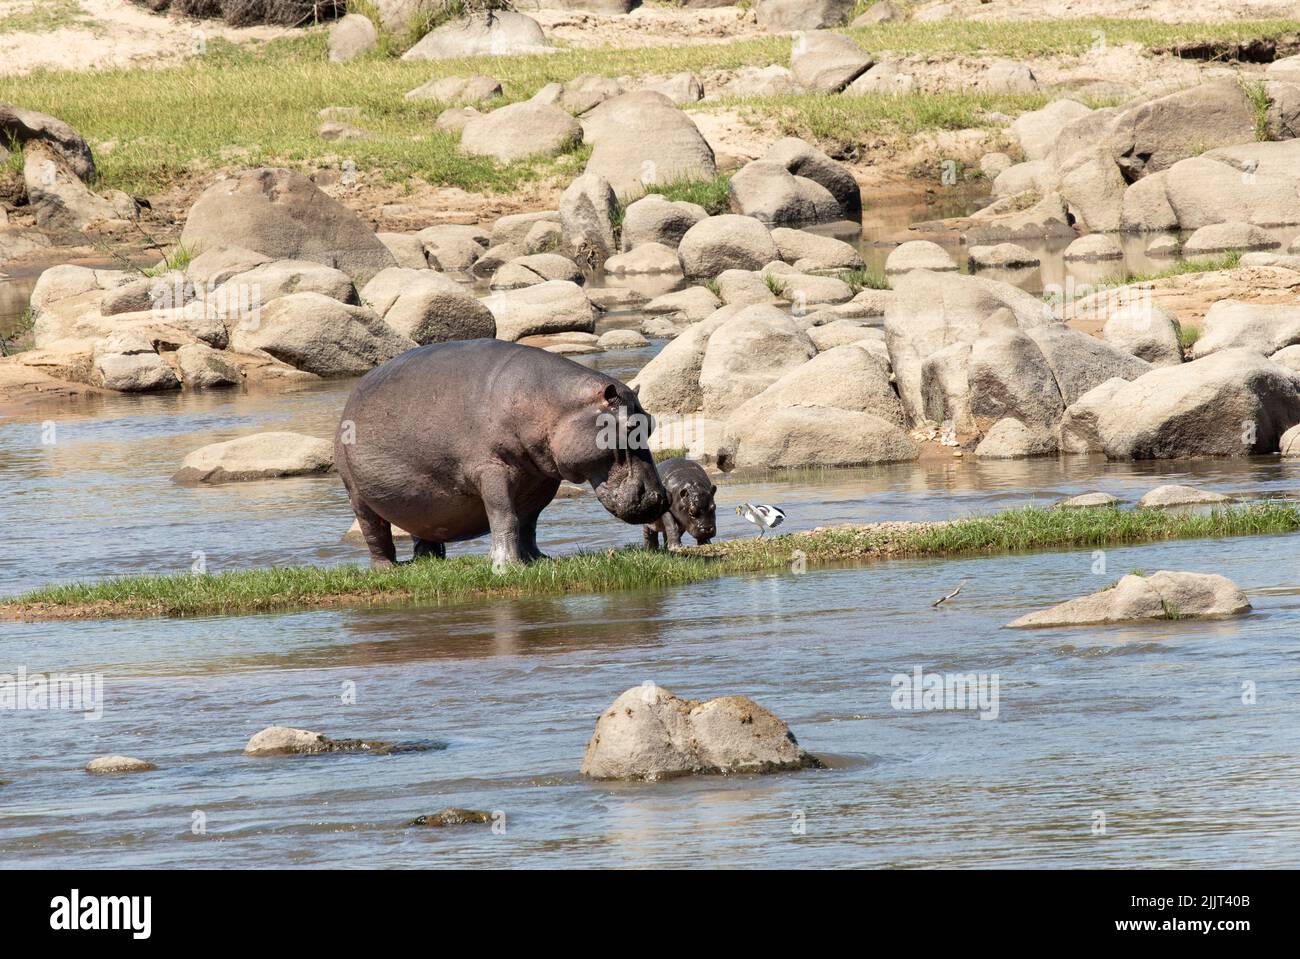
column 503, row 521
column 650, row 535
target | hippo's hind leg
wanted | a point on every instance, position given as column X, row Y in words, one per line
column 378, row 533
column 429, row 548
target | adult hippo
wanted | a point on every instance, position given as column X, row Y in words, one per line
column 454, row 440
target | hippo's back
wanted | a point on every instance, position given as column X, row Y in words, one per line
column 679, row 472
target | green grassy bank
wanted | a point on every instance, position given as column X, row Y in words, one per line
column 256, row 104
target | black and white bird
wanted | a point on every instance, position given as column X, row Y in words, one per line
column 764, row 517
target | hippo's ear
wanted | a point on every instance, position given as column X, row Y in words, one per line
column 636, row 390
column 713, row 489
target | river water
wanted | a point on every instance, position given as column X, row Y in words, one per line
column 1171, row 744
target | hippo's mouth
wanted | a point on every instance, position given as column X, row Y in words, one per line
column 627, row 497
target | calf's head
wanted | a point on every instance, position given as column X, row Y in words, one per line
column 693, row 508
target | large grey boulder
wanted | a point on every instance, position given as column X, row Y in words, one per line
column 285, row 216
column 316, row 333
column 1037, row 130
column 793, row 437
column 806, row 161
column 656, row 219
column 747, row 354
column 727, row 242
column 769, row 192
column 139, row 370
column 1162, row 595
column 1010, row 377
column 452, row 247
column 59, row 198
column 825, row 62
column 500, row 33
column 650, row 734
column 22, row 127
column 1080, row 362
column 520, row 130
column 203, row 368
column 641, row 139
column 1220, row 237
column 1232, row 324
column 1234, row 402
column 849, row 377
column 1145, row 207
column 811, row 251
column 1154, row 135
column 555, row 306
column 1257, row 183
column 1147, row 331
column 1094, row 188
column 260, row 456
column 930, row 311
column 670, row 382
column 1009, row 438
column 587, row 211
column 427, row 307
column 802, row 14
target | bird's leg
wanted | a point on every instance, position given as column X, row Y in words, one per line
column 761, row 531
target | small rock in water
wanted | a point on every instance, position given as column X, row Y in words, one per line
column 1162, row 595
column 1093, row 246
column 118, row 764
column 621, row 340
column 1088, row 500
column 1173, row 495
column 289, row 741
column 650, row 734
column 453, row 816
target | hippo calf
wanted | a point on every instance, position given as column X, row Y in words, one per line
column 453, row 440
column 690, row 505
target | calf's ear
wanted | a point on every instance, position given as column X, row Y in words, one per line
column 713, row 489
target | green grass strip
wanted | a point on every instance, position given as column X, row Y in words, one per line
column 436, row 582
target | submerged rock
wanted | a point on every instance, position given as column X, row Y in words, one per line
column 119, row 764
column 453, row 816
column 651, row 734
column 290, row 741
column 1162, row 595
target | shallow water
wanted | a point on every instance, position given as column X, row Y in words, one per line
column 1144, row 724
